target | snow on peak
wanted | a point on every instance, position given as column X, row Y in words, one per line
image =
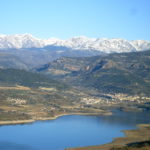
column 141, row 45
column 19, row 41
column 77, row 43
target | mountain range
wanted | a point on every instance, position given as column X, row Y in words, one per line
column 112, row 65
column 43, row 78
column 105, row 45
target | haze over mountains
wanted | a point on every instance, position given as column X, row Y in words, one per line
column 19, row 41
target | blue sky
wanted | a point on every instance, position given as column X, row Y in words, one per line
column 128, row 19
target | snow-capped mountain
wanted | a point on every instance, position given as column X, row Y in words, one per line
column 140, row 44
column 76, row 43
column 20, row 41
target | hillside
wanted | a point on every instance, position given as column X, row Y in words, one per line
column 25, row 78
column 28, row 58
column 27, row 96
column 10, row 61
column 115, row 73
column 64, row 66
column 118, row 73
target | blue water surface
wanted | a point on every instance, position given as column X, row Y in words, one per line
column 69, row 131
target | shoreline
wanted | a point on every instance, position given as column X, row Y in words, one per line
column 140, row 134
column 13, row 122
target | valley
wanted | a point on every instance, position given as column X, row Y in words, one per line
column 43, row 83
column 75, row 75
column 81, row 85
column 31, row 96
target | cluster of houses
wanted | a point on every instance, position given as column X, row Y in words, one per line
column 114, row 99
column 17, row 101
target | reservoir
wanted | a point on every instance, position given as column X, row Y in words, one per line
column 69, row 131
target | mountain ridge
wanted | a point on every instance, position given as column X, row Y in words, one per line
column 115, row 73
column 105, row 45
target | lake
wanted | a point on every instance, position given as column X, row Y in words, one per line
column 69, row 131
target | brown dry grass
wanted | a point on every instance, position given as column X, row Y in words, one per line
column 15, row 88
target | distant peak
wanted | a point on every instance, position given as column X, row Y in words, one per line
column 106, row 45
